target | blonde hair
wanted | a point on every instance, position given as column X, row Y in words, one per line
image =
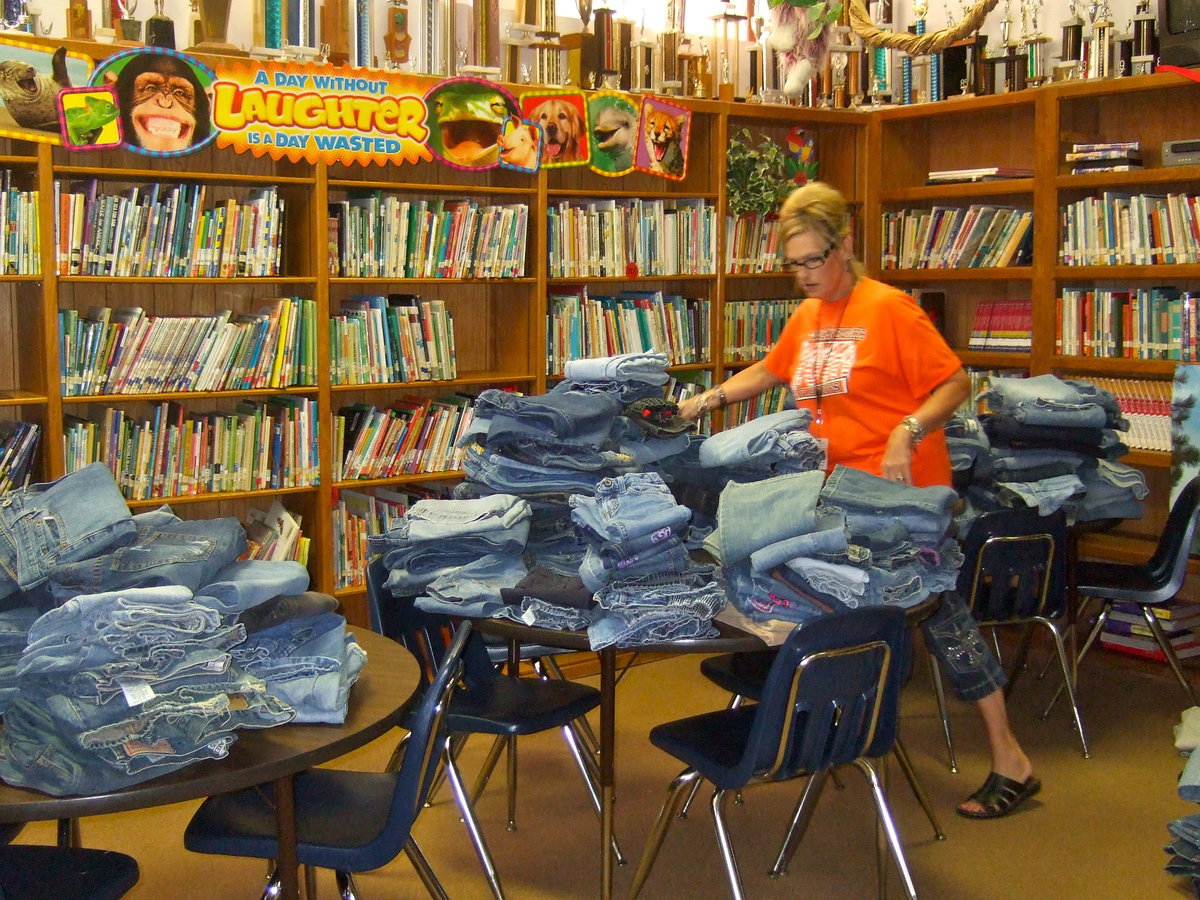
column 820, row 208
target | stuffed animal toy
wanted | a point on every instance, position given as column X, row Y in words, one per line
column 801, row 55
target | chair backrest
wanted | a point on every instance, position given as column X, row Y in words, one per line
column 426, row 635
column 41, row 872
column 1014, row 565
column 421, row 751
column 833, row 688
column 1167, row 567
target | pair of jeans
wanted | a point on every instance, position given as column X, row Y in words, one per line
column 1048, row 400
column 628, row 506
column 553, row 454
column 756, row 515
column 182, row 553
column 245, row 583
column 76, row 517
column 584, row 421
column 854, row 489
column 543, row 614
column 755, row 438
column 649, row 368
column 475, row 588
column 322, row 697
column 625, row 392
column 762, row 595
column 1046, row 496
column 668, row 557
column 846, row 584
column 504, row 473
column 285, row 608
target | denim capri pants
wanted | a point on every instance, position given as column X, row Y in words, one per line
column 966, row 657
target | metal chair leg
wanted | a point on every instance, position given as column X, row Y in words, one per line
column 585, row 727
column 591, row 781
column 940, row 693
column 910, row 774
column 1169, row 652
column 424, row 870
column 310, row 882
column 472, row 823
column 1068, row 681
column 719, row 799
column 274, row 885
column 347, row 890
column 683, row 781
column 889, row 826
column 805, row 807
column 1087, row 645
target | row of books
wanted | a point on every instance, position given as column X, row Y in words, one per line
column 1147, row 406
column 1118, row 228
column 1002, row 325
column 396, row 338
column 260, row 445
column 581, row 326
column 274, row 535
column 20, row 241
column 409, row 436
column 1126, row 630
column 358, row 515
column 775, row 400
column 753, row 326
column 379, row 235
column 1132, row 323
column 18, row 447
column 632, row 237
column 126, row 351
column 752, row 243
column 166, row 231
column 949, row 237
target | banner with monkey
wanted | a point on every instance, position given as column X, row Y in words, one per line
column 160, row 102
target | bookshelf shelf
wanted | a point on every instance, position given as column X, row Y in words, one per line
column 188, row 396
column 416, row 478
column 590, row 194
column 1162, row 273
column 927, row 276
column 1012, row 190
column 223, row 496
column 983, row 359
column 302, row 280
column 467, row 379
column 1151, row 368
column 198, row 177
column 21, row 398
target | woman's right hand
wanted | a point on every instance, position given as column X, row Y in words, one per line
column 691, row 408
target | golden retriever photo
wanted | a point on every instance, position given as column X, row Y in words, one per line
column 520, row 144
column 563, row 119
column 664, row 130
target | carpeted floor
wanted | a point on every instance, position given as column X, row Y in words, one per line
column 1096, row 830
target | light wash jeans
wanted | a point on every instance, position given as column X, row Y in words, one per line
column 755, row 515
column 649, row 368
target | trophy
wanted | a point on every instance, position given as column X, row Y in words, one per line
column 1100, row 42
column 212, row 25
column 160, row 31
column 1145, row 39
column 1034, row 44
column 131, row 28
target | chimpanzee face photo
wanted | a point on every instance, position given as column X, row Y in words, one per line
column 164, row 103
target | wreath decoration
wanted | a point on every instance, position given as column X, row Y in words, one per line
column 917, row 44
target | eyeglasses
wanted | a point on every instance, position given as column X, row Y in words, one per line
column 811, row 262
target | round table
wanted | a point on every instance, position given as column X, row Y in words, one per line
column 377, row 701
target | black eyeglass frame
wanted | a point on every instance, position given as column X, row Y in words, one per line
column 812, row 262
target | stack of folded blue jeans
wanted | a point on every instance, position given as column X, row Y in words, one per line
column 545, row 448
column 1054, row 443
column 460, row 553
column 646, row 587
column 122, row 686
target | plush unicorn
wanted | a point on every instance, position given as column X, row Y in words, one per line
column 802, row 56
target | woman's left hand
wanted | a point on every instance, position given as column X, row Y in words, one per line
column 897, row 457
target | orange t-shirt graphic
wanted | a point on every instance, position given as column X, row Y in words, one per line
column 861, row 365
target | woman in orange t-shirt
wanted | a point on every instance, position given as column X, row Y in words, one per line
column 880, row 382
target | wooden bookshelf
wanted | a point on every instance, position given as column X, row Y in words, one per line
column 878, row 157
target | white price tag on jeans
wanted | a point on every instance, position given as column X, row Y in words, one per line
column 528, row 617
column 137, row 694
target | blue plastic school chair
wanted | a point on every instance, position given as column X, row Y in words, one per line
column 38, row 872
column 831, row 697
column 345, row 821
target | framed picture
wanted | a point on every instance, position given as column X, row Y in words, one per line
column 663, row 148
column 563, row 117
column 613, row 132
column 520, row 145
column 90, row 118
column 31, row 78
column 465, row 117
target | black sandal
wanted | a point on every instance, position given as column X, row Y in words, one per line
column 1000, row 795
